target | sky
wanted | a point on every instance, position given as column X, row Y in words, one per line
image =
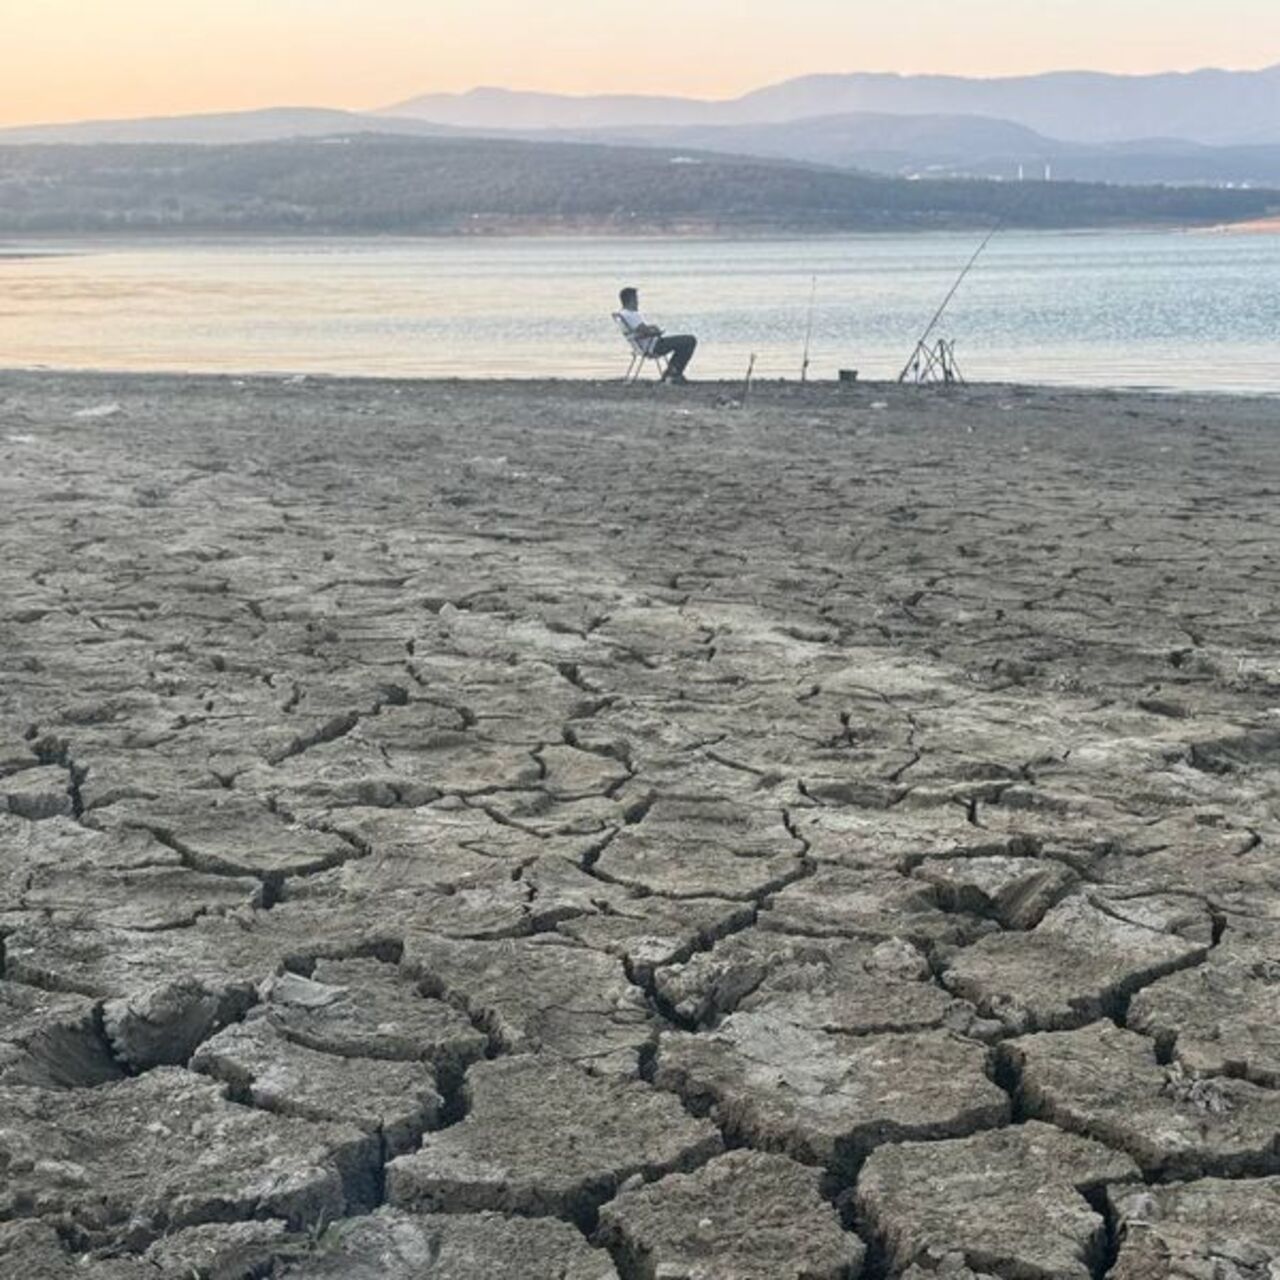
column 94, row 59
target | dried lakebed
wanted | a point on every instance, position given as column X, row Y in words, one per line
column 564, row 831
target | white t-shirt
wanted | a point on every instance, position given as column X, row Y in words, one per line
column 634, row 320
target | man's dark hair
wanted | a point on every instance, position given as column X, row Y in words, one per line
column 628, row 296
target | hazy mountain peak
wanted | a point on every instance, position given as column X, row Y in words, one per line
column 487, row 107
column 267, row 124
column 1208, row 105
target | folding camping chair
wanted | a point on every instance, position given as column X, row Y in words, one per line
column 638, row 354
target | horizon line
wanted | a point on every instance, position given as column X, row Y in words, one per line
column 388, row 108
column 840, row 75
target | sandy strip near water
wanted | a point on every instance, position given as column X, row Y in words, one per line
column 1258, row 226
column 545, row 827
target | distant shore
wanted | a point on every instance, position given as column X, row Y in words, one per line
column 1252, row 227
column 692, row 229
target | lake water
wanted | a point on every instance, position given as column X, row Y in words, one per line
column 1162, row 309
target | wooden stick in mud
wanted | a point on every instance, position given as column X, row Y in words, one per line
column 808, row 333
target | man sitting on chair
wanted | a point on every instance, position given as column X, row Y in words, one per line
column 680, row 347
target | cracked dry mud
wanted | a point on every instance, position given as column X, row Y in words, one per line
column 549, row 830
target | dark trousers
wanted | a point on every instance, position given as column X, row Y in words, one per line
column 680, row 347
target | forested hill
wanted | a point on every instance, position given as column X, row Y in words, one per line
column 374, row 183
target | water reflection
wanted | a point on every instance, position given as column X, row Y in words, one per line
column 1168, row 309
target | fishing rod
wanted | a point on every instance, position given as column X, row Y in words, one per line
column 808, row 333
column 946, row 302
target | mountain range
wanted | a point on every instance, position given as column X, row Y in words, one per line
column 1210, row 106
column 953, row 146
column 273, row 124
column 1202, row 128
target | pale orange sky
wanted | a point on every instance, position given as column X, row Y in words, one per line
column 81, row 59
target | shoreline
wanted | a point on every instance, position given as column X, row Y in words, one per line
column 689, row 233
column 1250, row 227
column 581, row 385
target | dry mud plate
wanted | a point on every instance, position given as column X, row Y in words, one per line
column 573, row 832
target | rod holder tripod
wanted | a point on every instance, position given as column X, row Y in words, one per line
column 931, row 364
